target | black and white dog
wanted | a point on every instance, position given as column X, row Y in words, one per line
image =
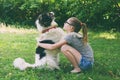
column 51, row 34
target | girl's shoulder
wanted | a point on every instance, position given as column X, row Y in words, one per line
column 74, row 34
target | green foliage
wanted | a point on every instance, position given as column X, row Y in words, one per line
column 22, row 44
column 104, row 14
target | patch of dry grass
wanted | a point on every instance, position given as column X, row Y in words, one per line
column 13, row 29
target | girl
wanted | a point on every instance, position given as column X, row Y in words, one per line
column 74, row 45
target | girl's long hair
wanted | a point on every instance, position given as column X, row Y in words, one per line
column 84, row 31
column 78, row 25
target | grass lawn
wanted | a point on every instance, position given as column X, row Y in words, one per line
column 22, row 43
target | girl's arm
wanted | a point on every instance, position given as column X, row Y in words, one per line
column 52, row 46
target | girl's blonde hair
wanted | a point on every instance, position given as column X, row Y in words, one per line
column 78, row 25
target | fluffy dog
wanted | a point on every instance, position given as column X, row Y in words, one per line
column 51, row 34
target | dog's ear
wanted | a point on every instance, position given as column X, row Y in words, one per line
column 40, row 17
column 52, row 15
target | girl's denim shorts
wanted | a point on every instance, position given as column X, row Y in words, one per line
column 85, row 64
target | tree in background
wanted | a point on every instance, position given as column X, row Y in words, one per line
column 96, row 13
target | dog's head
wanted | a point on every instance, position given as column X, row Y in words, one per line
column 45, row 20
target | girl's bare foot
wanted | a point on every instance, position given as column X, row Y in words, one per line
column 76, row 70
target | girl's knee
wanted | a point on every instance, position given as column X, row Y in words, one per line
column 64, row 48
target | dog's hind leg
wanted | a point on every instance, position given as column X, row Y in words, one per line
column 21, row 64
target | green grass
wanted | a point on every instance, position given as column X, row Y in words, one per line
column 22, row 43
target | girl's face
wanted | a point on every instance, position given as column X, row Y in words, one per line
column 68, row 26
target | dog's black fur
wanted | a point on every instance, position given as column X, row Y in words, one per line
column 45, row 19
column 40, row 50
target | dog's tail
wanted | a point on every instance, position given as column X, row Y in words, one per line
column 21, row 64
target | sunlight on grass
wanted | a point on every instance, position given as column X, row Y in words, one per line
column 106, row 35
column 13, row 29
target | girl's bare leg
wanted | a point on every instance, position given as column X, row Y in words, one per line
column 73, row 56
